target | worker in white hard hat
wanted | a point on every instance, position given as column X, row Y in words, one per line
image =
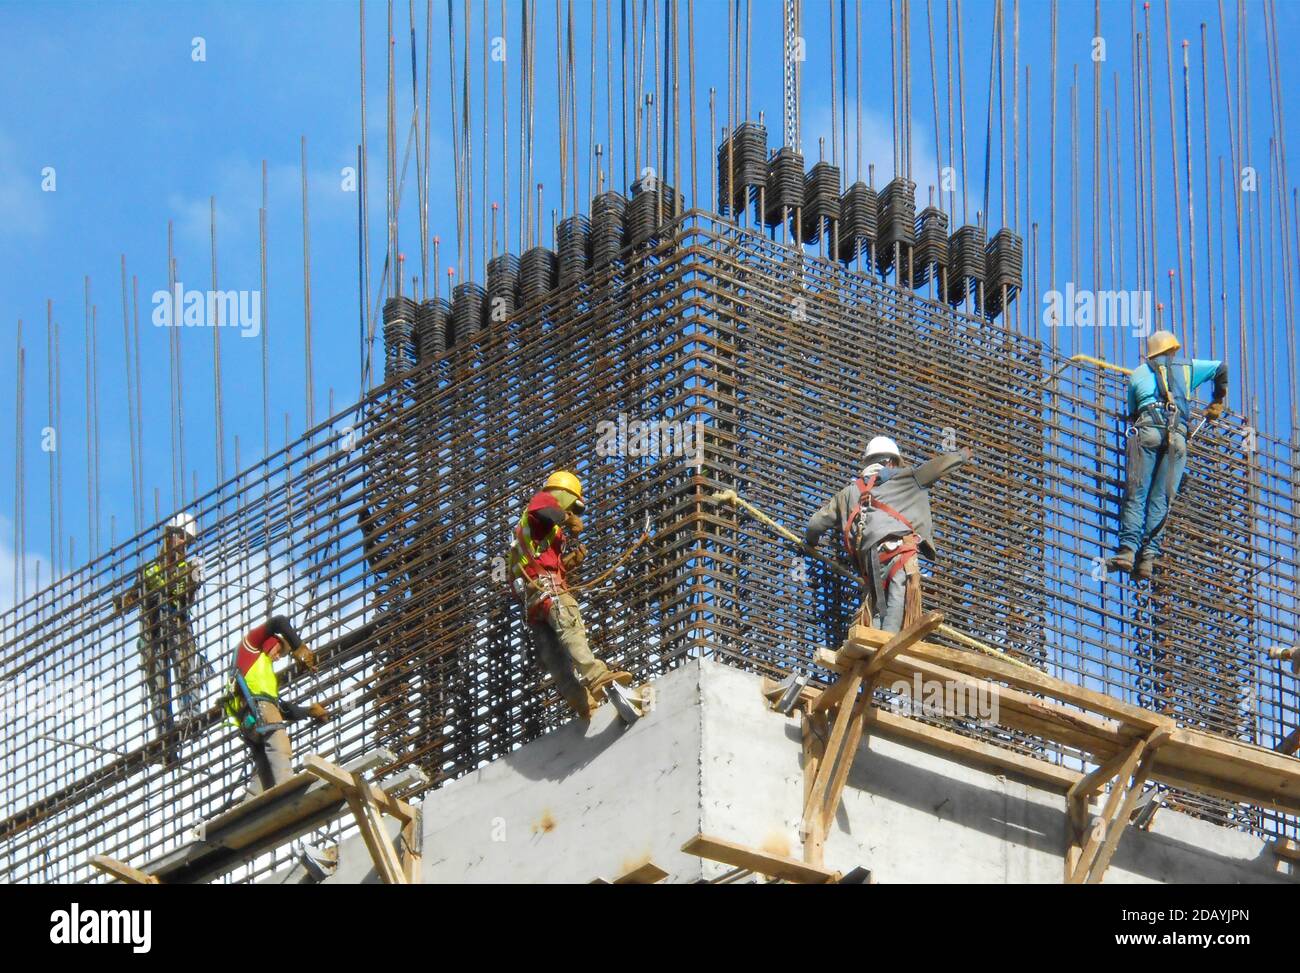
column 165, row 591
column 1159, row 407
column 884, row 520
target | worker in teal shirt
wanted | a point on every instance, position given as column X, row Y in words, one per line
column 1159, row 408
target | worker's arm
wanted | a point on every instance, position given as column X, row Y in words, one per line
column 280, row 627
column 293, row 711
column 823, row 520
column 934, row 470
column 1205, row 370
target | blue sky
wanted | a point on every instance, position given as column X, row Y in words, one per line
column 139, row 133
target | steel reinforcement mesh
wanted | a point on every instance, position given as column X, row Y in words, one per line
column 708, row 359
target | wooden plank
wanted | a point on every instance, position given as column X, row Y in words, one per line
column 1050, row 775
column 647, row 873
column 986, row 667
column 123, row 872
column 918, row 630
column 1287, row 849
column 317, row 766
column 1017, row 710
column 754, row 860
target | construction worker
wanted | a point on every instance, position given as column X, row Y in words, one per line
column 253, row 701
column 544, row 549
column 165, row 591
column 1159, row 408
column 884, row 519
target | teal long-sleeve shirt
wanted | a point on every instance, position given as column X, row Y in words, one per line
column 1143, row 389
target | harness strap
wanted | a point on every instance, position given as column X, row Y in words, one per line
column 864, row 494
column 899, row 558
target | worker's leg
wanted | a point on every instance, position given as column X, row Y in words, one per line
column 181, row 641
column 566, row 620
column 1144, row 447
column 557, row 662
column 153, row 663
column 1165, row 483
column 891, row 612
column 272, row 753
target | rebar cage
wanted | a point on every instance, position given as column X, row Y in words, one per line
column 709, row 358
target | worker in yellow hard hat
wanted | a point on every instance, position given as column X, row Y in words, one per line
column 1159, row 407
column 545, row 548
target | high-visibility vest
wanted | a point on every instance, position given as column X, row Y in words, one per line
column 173, row 583
column 262, row 684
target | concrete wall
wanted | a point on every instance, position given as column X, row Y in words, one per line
column 589, row 801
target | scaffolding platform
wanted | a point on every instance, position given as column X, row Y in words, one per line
column 311, row 798
column 1128, row 746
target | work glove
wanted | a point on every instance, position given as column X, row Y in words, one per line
column 574, row 558
column 318, row 712
column 1214, row 410
column 572, row 524
column 305, row 656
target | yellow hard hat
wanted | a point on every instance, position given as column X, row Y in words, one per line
column 564, row 480
column 1161, row 342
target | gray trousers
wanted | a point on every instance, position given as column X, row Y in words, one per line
column 561, row 643
column 887, row 597
column 167, row 656
column 272, row 754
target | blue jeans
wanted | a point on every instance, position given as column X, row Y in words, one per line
column 1157, row 459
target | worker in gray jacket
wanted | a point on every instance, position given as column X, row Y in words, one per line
column 884, row 520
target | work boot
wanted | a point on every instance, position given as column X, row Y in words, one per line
column 1122, row 561
column 597, row 687
column 1142, row 570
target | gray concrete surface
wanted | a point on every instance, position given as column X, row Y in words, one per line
column 593, row 801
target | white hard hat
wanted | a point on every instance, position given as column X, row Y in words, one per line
column 183, row 523
column 883, row 446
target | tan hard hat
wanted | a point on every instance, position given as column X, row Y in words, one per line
column 1161, row 342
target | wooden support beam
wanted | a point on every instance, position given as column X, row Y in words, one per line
column 922, row 627
column 647, row 873
column 317, row 766
column 122, row 872
column 1290, row 743
column 1111, row 809
column 368, row 804
column 1104, row 837
column 1287, row 849
column 764, row 863
column 814, row 731
column 823, row 798
column 1115, row 830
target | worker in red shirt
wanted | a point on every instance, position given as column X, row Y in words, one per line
column 254, row 705
column 545, row 547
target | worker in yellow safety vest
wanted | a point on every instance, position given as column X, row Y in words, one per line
column 165, row 591
column 544, row 549
column 254, row 705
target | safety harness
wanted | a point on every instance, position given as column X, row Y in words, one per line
column 895, row 559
